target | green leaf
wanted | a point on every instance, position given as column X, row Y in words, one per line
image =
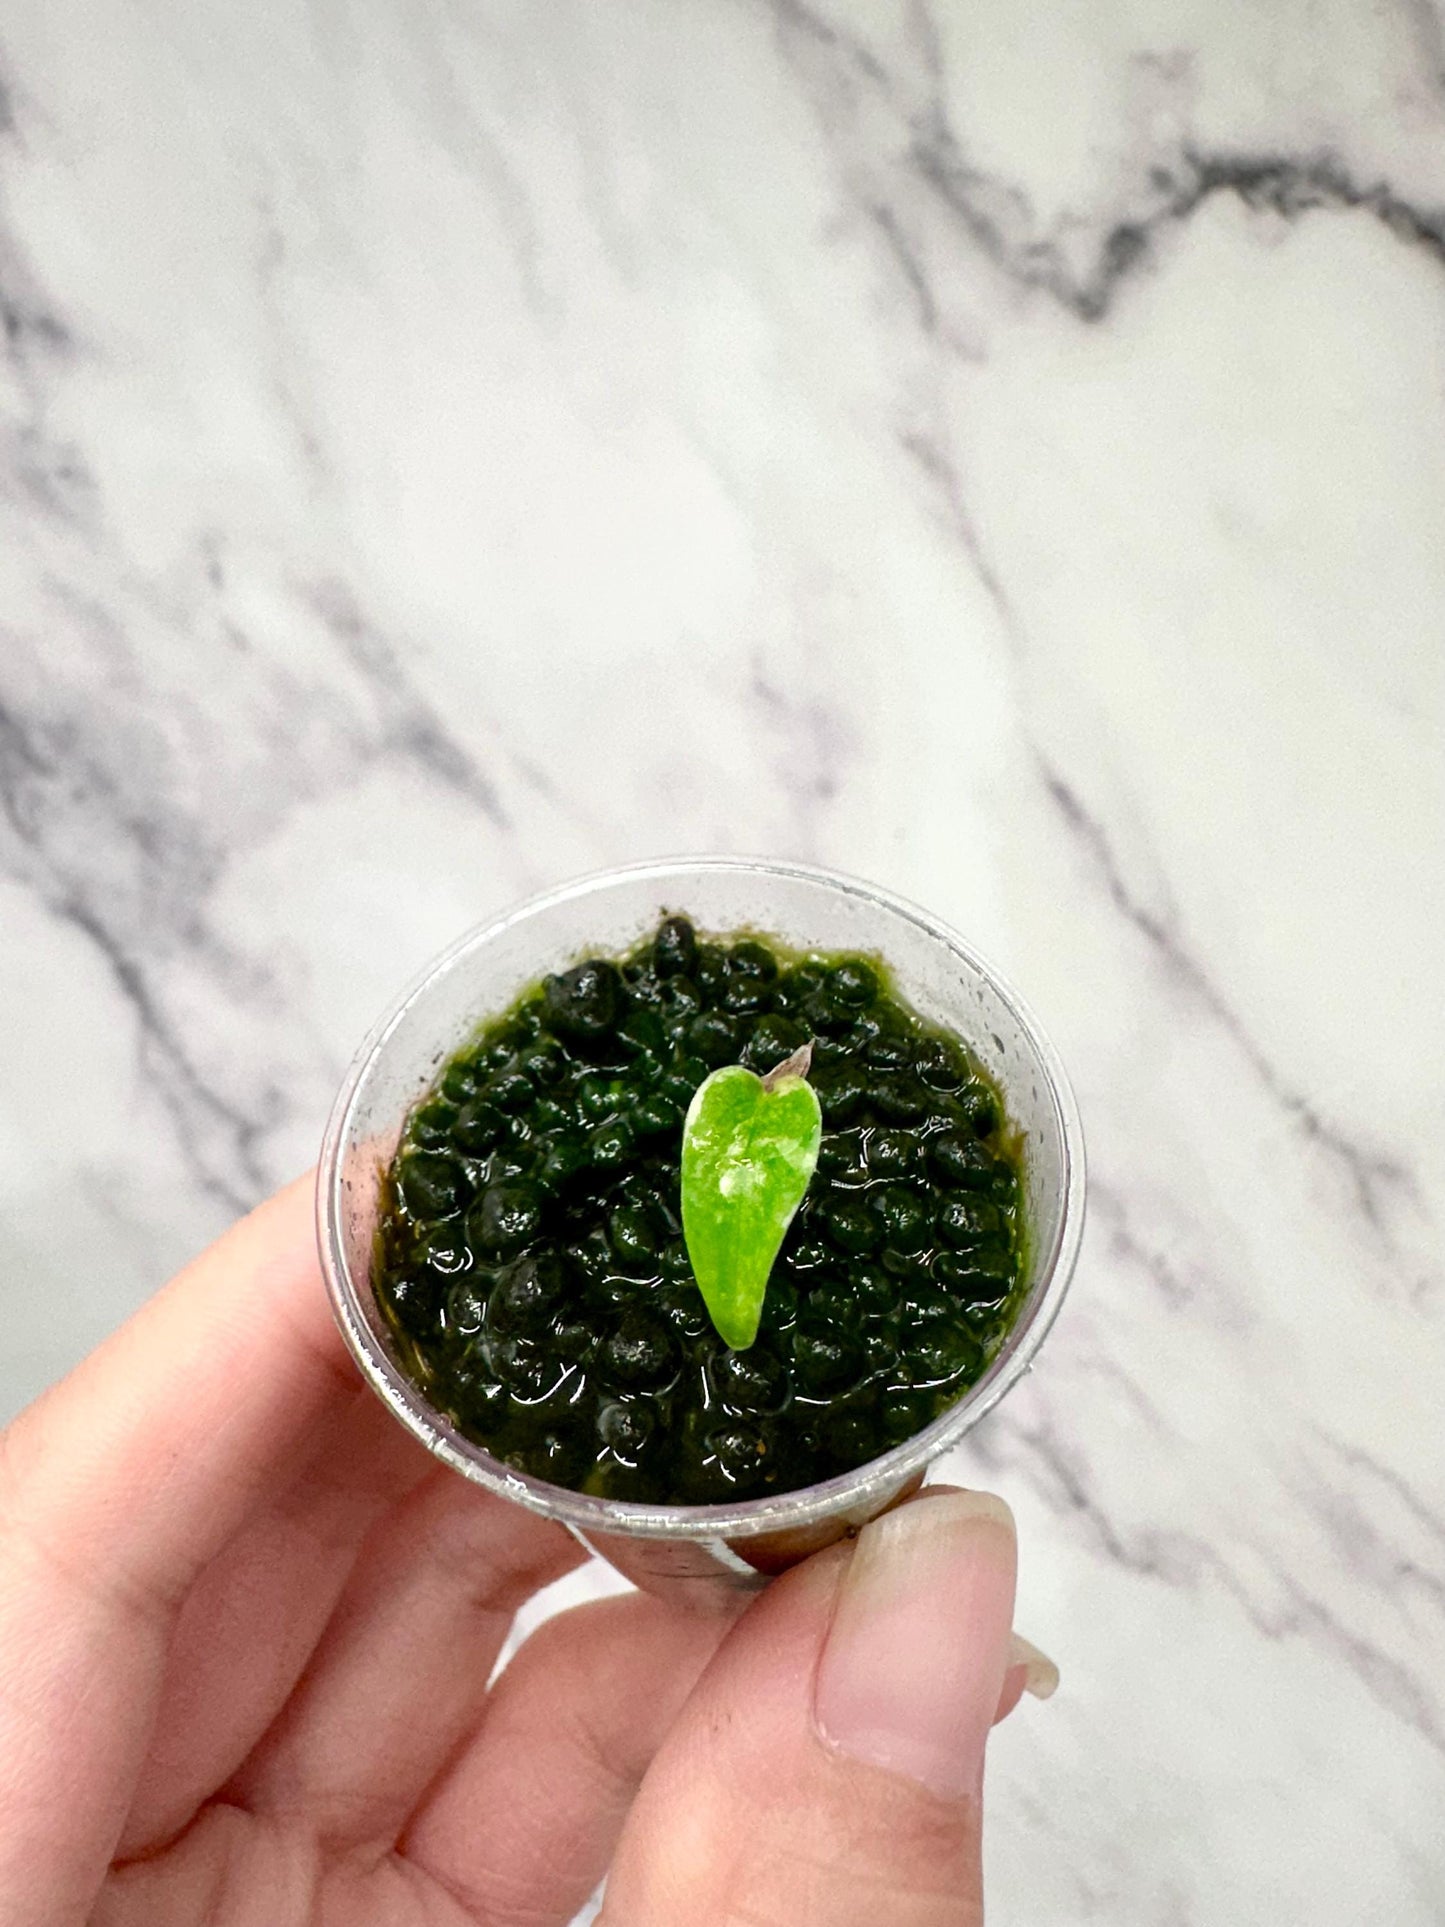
column 749, row 1150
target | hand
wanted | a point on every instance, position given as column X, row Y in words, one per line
column 246, row 1632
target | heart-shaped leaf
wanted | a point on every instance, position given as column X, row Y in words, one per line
column 749, row 1150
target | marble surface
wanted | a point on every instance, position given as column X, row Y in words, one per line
column 448, row 446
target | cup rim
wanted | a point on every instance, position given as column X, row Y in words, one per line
column 846, row 1493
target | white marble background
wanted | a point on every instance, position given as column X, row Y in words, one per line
column 446, row 446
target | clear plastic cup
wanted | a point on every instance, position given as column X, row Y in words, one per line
column 708, row 1552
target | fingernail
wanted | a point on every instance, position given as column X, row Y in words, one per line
column 915, row 1658
column 1041, row 1676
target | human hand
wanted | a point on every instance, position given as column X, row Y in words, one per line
column 246, row 1631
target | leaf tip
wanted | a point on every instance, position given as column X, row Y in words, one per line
column 798, row 1065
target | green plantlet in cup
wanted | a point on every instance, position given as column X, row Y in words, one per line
column 530, row 1260
column 749, row 1151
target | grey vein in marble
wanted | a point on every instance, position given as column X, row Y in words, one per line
column 1372, row 1174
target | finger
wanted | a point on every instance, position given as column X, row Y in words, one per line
column 1014, row 1688
column 867, row 1681
column 401, row 1673
column 523, row 1826
column 133, row 1471
column 253, row 1618
column 116, row 1488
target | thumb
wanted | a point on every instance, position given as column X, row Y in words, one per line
column 828, row 1768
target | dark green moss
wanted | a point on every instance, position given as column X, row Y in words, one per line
column 530, row 1255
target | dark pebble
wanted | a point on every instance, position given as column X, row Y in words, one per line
column 854, row 982
column 674, row 948
column 556, row 1456
column 600, row 1096
column 575, row 1343
column 583, row 1003
column 980, row 1110
column 851, row 1225
column 528, row 1370
column 774, row 1038
column 834, row 1298
column 903, row 1413
column 714, row 1038
column 547, row 1117
column 505, row 1217
column 754, row 1381
column 739, row 1453
column 681, row 1000
column 902, row 1218
column 889, row 1052
column 750, row 959
column 825, row 1358
column 431, row 1184
column 851, row 1438
column 874, row 1292
column 563, row 1159
column 780, row 1303
column 639, row 1355
column 958, row 1159
column 445, row 1250
column 942, row 1353
column 654, row 1115
column 476, row 1400
column 626, row 1428
column 509, row 1090
column 433, row 1123
column 417, row 1298
column 642, row 1032
column 892, row 1154
column 610, row 1146
column 964, row 1279
column 898, row 1097
column 840, row 1157
column 822, row 1012
column 674, row 1263
column 841, row 1091
column 939, row 1067
column 808, row 1254
column 921, row 1303
column 681, row 1309
column 528, row 1293
column 747, row 997
column 634, row 1237
column 479, row 1126
column 966, row 1220
column 461, row 1080
column 880, row 1351
column 710, row 972
column 906, row 1266
column 466, row 1307
column 544, row 1062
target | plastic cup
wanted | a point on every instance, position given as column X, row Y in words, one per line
column 705, row 1553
